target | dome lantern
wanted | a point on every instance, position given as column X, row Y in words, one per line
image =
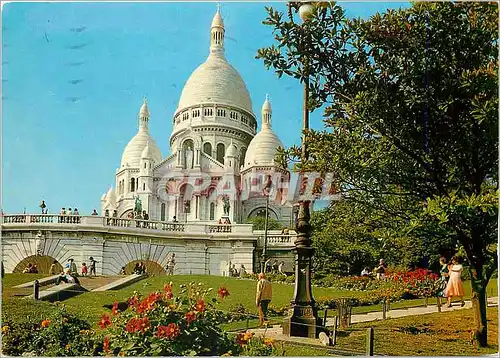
column 217, row 34
column 266, row 113
column 144, row 115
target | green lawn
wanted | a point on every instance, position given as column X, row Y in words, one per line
column 435, row 334
column 90, row 305
column 438, row 334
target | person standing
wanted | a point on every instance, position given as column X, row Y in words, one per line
column 263, row 297
column 171, row 265
column 84, row 269
column 280, row 268
column 43, row 206
column 62, row 215
column 380, row 270
column 72, row 267
column 53, row 268
column 230, row 269
column 455, row 287
column 94, row 212
column 92, row 266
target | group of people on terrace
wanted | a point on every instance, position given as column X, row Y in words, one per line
column 234, row 272
column 275, row 267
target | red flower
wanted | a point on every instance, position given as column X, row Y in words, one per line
column 190, row 317
column 161, row 331
column 105, row 321
column 200, row 306
column 115, row 310
column 223, row 292
column 45, row 323
column 131, row 325
column 106, row 344
column 142, row 324
column 168, row 295
column 172, row 331
column 132, row 301
column 167, row 287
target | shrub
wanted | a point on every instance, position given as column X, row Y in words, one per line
column 420, row 283
column 44, row 330
column 167, row 325
column 258, row 346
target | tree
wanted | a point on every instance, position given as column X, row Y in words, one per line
column 259, row 223
column 411, row 101
column 343, row 240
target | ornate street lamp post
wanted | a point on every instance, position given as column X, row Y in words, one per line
column 264, row 252
column 303, row 319
column 266, row 192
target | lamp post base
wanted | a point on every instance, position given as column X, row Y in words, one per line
column 303, row 322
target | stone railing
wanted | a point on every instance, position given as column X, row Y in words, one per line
column 219, row 228
column 199, row 228
column 278, row 240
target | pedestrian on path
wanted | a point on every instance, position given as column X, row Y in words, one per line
column 92, row 266
column 263, row 297
column 455, row 287
column 444, row 273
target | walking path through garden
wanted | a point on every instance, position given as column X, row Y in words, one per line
column 276, row 331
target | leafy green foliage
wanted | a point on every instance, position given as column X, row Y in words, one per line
column 411, row 101
column 259, row 223
column 43, row 329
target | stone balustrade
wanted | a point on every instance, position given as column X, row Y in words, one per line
column 39, row 221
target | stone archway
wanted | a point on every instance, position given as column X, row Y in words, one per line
column 153, row 268
column 42, row 263
column 261, row 212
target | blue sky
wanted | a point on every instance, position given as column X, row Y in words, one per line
column 70, row 96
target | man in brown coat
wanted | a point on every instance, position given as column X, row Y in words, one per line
column 263, row 297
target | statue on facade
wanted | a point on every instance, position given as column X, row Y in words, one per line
column 189, row 157
column 138, row 206
column 227, row 206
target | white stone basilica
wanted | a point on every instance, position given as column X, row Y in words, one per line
column 216, row 156
column 215, row 148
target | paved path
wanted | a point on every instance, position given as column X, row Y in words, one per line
column 276, row 331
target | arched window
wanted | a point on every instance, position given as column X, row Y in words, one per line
column 136, row 184
column 207, row 148
column 143, row 186
column 145, row 165
column 132, row 184
column 212, row 211
column 243, row 152
column 162, row 212
column 221, row 150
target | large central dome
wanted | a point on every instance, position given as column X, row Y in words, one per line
column 216, row 81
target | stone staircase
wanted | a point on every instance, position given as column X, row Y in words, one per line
column 92, row 282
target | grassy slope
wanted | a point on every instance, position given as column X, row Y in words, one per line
column 442, row 338
column 90, row 305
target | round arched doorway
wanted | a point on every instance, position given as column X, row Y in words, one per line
column 42, row 263
column 153, row 268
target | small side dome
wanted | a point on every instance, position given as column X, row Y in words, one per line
column 262, row 149
column 146, row 152
column 231, row 150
